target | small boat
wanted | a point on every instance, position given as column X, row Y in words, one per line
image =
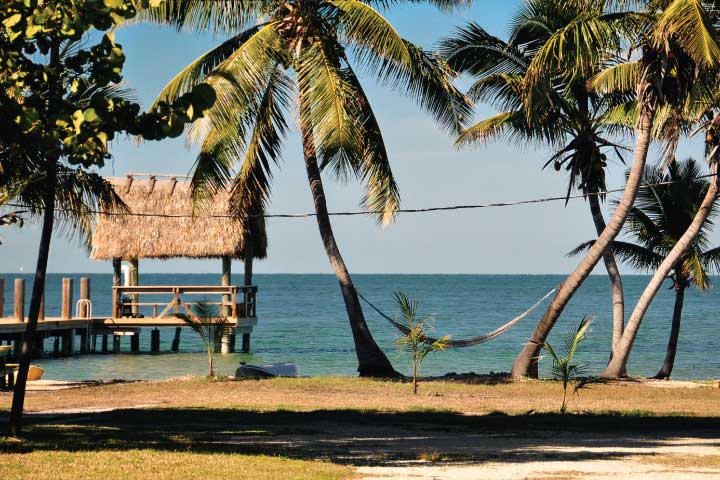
column 266, row 371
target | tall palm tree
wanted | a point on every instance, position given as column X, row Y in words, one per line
column 675, row 37
column 277, row 50
column 559, row 111
column 662, row 214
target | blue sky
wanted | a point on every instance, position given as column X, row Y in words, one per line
column 430, row 172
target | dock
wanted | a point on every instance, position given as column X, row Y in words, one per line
column 236, row 304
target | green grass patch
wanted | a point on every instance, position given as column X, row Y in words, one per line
column 157, row 465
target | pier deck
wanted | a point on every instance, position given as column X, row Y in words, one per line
column 9, row 325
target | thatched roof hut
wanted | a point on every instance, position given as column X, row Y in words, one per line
column 163, row 225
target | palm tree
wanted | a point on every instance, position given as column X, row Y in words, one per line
column 674, row 37
column 559, row 111
column 661, row 216
column 56, row 194
column 303, row 49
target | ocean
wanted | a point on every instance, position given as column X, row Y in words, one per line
column 301, row 319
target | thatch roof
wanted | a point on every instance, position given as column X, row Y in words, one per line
column 146, row 236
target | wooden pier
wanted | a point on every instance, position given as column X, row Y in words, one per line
column 237, row 304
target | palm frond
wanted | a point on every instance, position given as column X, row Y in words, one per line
column 689, row 23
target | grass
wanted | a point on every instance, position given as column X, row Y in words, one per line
column 150, row 464
column 304, row 394
column 316, row 428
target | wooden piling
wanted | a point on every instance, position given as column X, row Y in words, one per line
column 84, row 295
column 67, row 297
column 104, row 344
column 2, row 297
column 246, row 343
column 67, row 342
column 155, row 340
column 18, row 344
column 116, row 343
column 39, row 348
column 176, row 340
column 84, row 341
column 19, row 300
column 56, row 346
column 135, row 342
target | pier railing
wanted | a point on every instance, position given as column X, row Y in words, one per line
column 229, row 295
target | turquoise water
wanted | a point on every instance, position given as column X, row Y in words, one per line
column 302, row 320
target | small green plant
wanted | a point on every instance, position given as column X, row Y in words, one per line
column 415, row 342
column 209, row 324
column 564, row 367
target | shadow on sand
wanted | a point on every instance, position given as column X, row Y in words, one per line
column 366, row 437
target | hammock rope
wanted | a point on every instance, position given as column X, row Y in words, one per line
column 468, row 342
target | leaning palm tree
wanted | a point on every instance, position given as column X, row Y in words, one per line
column 559, row 111
column 303, row 49
column 669, row 39
column 662, row 214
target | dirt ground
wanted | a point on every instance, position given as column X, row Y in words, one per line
column 449, row 431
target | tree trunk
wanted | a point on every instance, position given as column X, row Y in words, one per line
column 613, row 273
column 372, row 362
column 618, row 364
column 669, row 362
column 526, row 362
column 18, row 401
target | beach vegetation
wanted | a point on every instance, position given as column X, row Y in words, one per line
column 210, row 325
column 415, row 342
column 564, row 367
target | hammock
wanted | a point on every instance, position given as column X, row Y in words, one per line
column 468, row 342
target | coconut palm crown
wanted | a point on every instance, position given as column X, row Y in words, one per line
column 303, row 53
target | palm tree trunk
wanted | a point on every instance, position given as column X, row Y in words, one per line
column 372, row 362
column 669, row 361
column 613, row 273
column 618, row 364
column 526, row 362
column 18, row 401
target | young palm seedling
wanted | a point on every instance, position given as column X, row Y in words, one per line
column 564, row 367
column 210, row 326
column 415, row 342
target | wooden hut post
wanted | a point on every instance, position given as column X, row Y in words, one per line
column 227, row 344
column 117, row 281
column 226, row 279
column 67, row 297
column 134, row 276
column 19, row 300
column 2, row 297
